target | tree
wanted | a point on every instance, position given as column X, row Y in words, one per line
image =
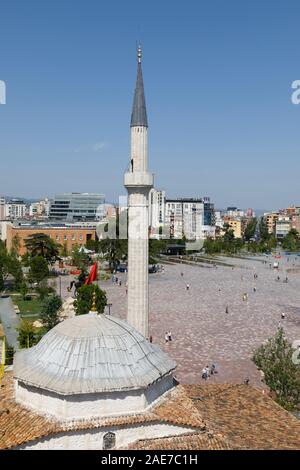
column 84, row 299
column 92, row 245
column 80, row 259
column 114, row 250
column 24, row 289
column 41, row 244
column 9, row 265
column 250, row 229
column 28, row 334
column 264, row 234
column 291, row 241
column 16, row 244
column 50, row 308
column 64, row 250
column 156, row 247
column 282, row 376
column 38, row 269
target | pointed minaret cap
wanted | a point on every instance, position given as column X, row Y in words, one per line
column 139, row 113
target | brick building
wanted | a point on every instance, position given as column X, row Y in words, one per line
column 63, row 234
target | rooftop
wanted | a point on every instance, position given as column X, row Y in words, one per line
column 92, row 353
column 223, row 417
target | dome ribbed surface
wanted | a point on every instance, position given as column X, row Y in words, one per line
column 92, row 353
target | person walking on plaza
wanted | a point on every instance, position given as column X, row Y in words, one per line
column 226, row 309
column 204, row 373
column 166, row 337
column 187, row 287
column 283, row 315
column 181, row 274
column 169, row 336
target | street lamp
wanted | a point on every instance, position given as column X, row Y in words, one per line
column 109, row 305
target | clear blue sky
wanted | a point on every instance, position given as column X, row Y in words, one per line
column 217, row 78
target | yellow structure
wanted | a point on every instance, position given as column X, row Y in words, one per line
column 2, row 352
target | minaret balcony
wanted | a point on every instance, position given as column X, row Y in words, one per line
column 138, row 179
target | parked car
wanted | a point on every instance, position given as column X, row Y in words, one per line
column 121, row 268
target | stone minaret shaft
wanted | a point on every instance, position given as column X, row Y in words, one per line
column 138, row 183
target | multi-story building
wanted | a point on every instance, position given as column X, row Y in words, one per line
column 185, row 217
column 39, row 209
column 235, row 224
column 2, row 208
column 283, row 226
column 77, row 206
column 157, row 203
column 64, row 234
column 270, row 219
column 15, row 209
column 235, row 212
column 295, row 222
column 209, row 212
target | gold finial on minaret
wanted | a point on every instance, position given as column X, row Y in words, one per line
column 94, row 308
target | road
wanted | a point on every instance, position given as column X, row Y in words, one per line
column 10, row 321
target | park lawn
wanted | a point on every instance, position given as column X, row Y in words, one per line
column 28, row 308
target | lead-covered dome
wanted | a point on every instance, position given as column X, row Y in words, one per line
column 89, row 354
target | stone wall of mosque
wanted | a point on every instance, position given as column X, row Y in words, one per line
column 92, row 439
column 90, row 405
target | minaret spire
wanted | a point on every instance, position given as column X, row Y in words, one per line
column 138, row 183
column 139, row 113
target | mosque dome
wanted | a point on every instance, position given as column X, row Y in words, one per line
column 92, row 354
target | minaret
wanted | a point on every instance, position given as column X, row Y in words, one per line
column 138, row 183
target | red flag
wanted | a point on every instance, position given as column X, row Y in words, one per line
column 93, row 275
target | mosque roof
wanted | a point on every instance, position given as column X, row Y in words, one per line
column 217, row 416
column 92, row 353
column 19, row 425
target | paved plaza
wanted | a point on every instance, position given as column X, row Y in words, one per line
column 203, row 333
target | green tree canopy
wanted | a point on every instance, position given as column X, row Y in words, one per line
column 291, row 241
column 41, row 244
column 50, row 308
column 250, row 229
column 84, row 299
column 38, row 269
column 114, row 250
column 28, row 334
column 282, row 376
column 264, row 234
column 9, row 265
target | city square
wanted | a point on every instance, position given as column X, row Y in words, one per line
column 203, row 333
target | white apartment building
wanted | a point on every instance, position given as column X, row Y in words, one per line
column 15, row 209
column 184, row 217
column 283, row 226
column 40, row 209
column 157, row 207
column 2, row 208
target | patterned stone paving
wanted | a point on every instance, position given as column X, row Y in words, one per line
column 203, row 333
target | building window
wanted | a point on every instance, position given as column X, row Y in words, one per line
column 109, row 440
column 80, row 237
column 57, row 238
column 73, row 237
column 65, row 237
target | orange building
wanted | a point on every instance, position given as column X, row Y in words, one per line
column 64, row 235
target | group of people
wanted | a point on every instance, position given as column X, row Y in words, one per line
column 208, row 371
column 116, row 280
column 168, row 336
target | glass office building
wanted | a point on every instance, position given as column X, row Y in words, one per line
column 77, row 206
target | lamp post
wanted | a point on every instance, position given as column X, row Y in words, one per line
column 109, row 306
